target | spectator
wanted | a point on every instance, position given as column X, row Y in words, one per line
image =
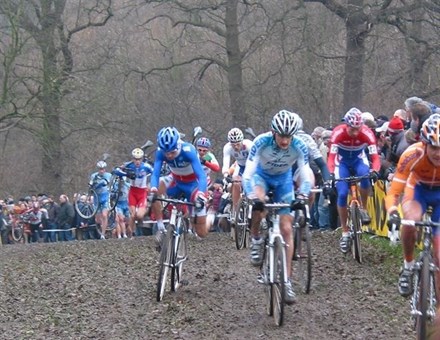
column 36, row 221
column 65, row 218
column 52, row 214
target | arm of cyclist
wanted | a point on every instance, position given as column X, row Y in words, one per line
column 211, row 162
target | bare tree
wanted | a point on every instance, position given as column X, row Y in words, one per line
column 49, row 62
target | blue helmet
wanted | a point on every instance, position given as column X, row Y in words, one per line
column 168, row 138
column 204, row 142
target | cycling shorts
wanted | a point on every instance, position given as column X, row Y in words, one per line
column 137, row 197
column 104, row 203
column 281, row 186
column 122, row 209
column 345, row 169
column 188, row 190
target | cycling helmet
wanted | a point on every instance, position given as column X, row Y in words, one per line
column 300, row 124
column 286, row 123
column 430, row 131
column 137, row 153
column 235, row 135
column 353, row 118
column 101, row 165
column 204, row 142
column 168, row 138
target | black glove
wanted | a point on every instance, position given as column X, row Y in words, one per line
column 203, row 161
column 374, row 175
column 327, row 189
column 200, row 203
column 258, row 205
column 131, row 173
column 332, row 177
column 298, row 204
column 394, row 219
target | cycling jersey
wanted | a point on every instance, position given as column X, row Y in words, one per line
column 185, row 168
column 414, row 169
column 348, row 150
column 141, row 172
column 100, row 181
column 239, row 156
column 273, row 164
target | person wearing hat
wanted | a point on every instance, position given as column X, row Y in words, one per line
column 397, row 142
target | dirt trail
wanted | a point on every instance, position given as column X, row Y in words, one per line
column 106, row 290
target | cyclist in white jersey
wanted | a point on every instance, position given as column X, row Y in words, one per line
column 238, row 148
column 269, row 167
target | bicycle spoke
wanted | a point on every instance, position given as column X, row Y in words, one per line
column 278, row 285
column 165, row 259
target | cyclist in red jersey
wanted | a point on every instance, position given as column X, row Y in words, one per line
column 347, row 157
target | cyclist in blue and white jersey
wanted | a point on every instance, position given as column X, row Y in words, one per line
column 99, row 181
column 122, row 210
column 187, row 177
column 269, row 167
column 138, row 170
column 237, row 147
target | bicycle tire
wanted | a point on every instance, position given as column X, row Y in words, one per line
column 114, row 191
column 356, row 225
column 265, row 279
column 179, row 257
column 278, row 286
column 17, row 232
column 166, row 255
column 303, row 258
column 424, row 283
column 224, row 223
column 241, row 223
column 88, row 208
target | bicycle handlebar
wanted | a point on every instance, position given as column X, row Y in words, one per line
column 352, row 178
column 174, row 201
column 412, row 223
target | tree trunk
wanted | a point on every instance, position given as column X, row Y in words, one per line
column 235, row 76
column 356, row 26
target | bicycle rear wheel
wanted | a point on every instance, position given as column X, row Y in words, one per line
column 356, row 227
column 166, row 255
column 278, row 284
column 423, row 301
column 86, row 205
column 179, row 257
column 241, row 223
column 302, row 258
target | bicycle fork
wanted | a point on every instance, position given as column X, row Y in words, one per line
column 274, row 235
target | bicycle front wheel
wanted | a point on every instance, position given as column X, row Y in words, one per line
column 423, row 301
column 179, row 257
column 278, row 284
column 166, row 256
column 114, row 191
column 17, row 231
column 302, row 258
column 87, row 205
column 241, row 223
column 356, row 228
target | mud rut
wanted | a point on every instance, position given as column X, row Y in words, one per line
column 106, row 290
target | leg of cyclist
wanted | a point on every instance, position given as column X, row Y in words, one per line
column 362, row 168
column 412, row 210
column 156, row 207
column 259, row 193
column 235, row 193
column 342, row 171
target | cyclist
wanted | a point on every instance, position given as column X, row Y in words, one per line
column 268, row 167
column 138, row 171
column 187, row 177
column 417, row 176
column 207, row 158
column 238, row 148
column 99, row 181
column 347, row 156
column 122, row 209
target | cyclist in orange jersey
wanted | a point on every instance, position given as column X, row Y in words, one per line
column 418, row 178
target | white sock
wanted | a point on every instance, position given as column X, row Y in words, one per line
column 345, row 234
column 408, row 265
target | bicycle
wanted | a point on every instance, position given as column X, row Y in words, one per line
column 273, row 271
column 354, row 220
column 424, row 299
column 242, row 222
column 302, row 255
column 173, row 252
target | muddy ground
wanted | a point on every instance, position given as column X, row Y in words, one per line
column 107, row 290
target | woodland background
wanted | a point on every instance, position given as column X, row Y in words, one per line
column 80, row 78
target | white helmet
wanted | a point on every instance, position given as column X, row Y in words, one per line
column 101, row 165
column 137, row 153
column 286, row 123
column 235, row 135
